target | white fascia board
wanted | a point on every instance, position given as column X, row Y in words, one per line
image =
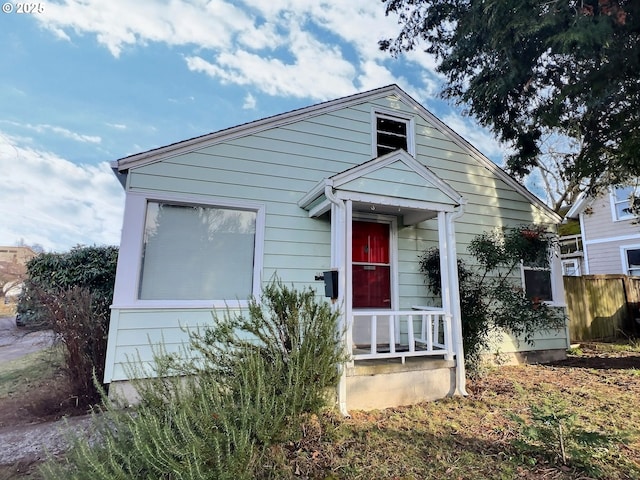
column 393, row 201
column 578, row 206
column 313, row 194
column 320, row 209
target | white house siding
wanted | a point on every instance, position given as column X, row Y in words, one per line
column 276, row 167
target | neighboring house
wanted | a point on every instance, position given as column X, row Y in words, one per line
column 360, row 186
column 13, row 269
column 571, row 255
column 610, row 233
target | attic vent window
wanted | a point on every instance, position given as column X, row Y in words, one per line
column 391, row 134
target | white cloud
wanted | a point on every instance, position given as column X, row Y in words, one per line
column 51, row 201
column 64, row 132
column 249, row 102
column 297, row 48
column 117, row 126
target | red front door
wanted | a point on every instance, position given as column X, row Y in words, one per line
column 371, row 267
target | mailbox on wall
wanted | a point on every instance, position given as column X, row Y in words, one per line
column 331, row 284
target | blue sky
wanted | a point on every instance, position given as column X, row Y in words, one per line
column 85, row 82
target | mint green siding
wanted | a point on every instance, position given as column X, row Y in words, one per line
column 277, row 166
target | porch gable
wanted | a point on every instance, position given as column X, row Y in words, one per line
column 395, row 183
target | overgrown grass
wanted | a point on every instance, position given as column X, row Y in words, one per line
column 476, row 437
column 505, row 430
column 22, row 375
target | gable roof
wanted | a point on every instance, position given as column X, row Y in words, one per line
column 579, row 205
column 370, row 184
column 122, row 165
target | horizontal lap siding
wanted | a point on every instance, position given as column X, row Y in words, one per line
column 278, row 166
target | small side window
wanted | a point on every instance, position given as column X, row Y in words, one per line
column 621, row 202
column 537, row 283
column 632, row 257
column 537, row 279
column 391, row 131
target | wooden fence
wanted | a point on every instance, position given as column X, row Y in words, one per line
column 602, row 306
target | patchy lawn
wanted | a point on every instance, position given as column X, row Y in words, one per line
column 493, row 434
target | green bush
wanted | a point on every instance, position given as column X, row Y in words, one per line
column 93, row 268
column 247, row 384
column 71, row 293
column 491, row 295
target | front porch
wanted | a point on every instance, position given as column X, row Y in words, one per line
column 376, row 210
column 399, row 358
column 401, row 334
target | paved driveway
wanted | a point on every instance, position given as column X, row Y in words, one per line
column 16, row 342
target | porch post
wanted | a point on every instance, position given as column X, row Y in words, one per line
column 452, row 258
column 339, row 228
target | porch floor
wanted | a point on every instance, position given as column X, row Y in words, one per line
column 395, row 365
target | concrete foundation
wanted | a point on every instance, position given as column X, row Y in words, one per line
column 377, row 384
column 532, row 356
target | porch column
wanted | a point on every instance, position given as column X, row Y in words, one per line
column 339, row 229
column 456, row 327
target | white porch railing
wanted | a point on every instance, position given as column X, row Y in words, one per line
column 378, row 334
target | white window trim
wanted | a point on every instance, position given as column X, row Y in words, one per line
column 393, row 252
column 571, row 261
column 557, row 299
column 624, row 263
column 393, row 115
column 614, row 210
column 131, row 245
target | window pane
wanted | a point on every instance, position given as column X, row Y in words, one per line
column 633, row 261
column 538, row 284
column 622, row 203
column 391, row 135
column 197, row 253
column 371, row 286
column 622, row 194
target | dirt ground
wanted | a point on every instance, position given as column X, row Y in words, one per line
column 51, row 400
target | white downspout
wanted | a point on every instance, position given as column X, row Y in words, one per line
column 452, row 258
column 338, row 246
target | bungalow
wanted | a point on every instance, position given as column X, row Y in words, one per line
column 351, row 191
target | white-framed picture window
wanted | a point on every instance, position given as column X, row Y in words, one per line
column 183, row 251
column 197, row 252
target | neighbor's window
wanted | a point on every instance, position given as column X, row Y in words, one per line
column 570, row 268
column 621, row 200
column 194, row 252
column 391, row 134
column 632, row 257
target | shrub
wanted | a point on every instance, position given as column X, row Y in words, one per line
column 81, row 323
column 93, row 268
column 555, row 434
column 71, row 293
column 247, row 384
column 491, row 296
